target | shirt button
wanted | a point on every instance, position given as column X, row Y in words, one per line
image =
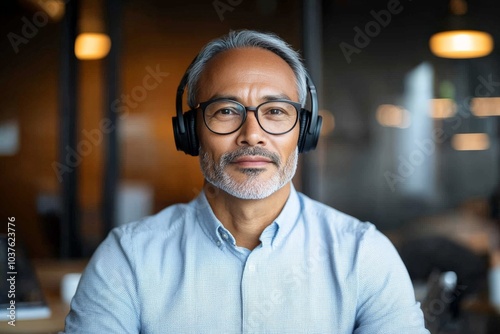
column 251, row 267
column 219, row 243
column 225, row 236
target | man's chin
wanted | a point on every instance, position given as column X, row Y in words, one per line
column 252, row 171
column 247, row 189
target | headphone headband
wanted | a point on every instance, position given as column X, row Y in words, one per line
column 313, row 98
column 180, row 94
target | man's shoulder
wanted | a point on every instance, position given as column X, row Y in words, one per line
column 327, row 217
column 165, row 222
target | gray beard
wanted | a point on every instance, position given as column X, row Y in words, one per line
column 251, row 187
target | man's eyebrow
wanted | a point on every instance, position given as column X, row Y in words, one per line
column 266, row 98
column 276, row 97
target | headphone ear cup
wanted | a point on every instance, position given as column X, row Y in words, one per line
column 179, row 137
column 308, row 141
column 193, row 144
column 187, row 141
column 193, row 137
column 304, row 120
column 312, row 139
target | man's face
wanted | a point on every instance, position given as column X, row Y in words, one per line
column 249, row 163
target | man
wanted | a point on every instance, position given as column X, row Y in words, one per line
column 250, row 254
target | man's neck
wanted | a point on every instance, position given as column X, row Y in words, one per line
column 246, row 219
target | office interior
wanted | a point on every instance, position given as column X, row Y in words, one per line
column 410, row 140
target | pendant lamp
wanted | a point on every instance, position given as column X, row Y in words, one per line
column 92, row 42
column 461, row 39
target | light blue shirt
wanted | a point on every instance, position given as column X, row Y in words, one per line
column 316, row 270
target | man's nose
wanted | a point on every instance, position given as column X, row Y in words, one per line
column 251, row 133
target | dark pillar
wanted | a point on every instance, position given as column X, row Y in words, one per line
column 312, row 44
column 70, row 245
column 112, row 168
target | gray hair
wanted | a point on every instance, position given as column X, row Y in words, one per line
column 242, row 39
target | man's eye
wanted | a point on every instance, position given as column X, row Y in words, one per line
column 275, row 111
column 226, row 112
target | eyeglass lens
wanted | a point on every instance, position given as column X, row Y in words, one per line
column 226, row 116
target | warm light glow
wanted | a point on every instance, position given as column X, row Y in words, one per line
column 54, row 8
column 328, row 122
column 485, row 106
column 470, row 142
column 442, row 108
column 461, row 44
column 92, row 46
column 393, row 116
column 458, row 7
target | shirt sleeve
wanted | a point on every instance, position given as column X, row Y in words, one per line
column 386, row 300
column 106, row 298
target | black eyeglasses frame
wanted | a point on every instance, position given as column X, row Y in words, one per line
column 203, row 105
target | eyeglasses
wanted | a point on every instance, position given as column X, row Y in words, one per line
column 224, row 116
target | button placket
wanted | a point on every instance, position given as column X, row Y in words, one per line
column 253, row 316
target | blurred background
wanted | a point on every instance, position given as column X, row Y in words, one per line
column 410, row 141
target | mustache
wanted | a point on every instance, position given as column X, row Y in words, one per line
column 229, row 157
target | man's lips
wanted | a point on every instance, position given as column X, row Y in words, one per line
column 252, row 161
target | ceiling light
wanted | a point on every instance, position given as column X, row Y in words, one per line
column 485, row 106
column 92, row 46
column 460, row 39
column 92, row 42
column 470, row 142
column 443, row 108
column 393, row 116
column 461, row 44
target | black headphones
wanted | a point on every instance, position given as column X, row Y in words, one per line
column 184, row 124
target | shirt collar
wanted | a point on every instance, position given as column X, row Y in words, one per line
column 212, row 227
column 288, row 217
column 272, row 235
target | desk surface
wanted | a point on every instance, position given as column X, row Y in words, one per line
column 50, row 273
